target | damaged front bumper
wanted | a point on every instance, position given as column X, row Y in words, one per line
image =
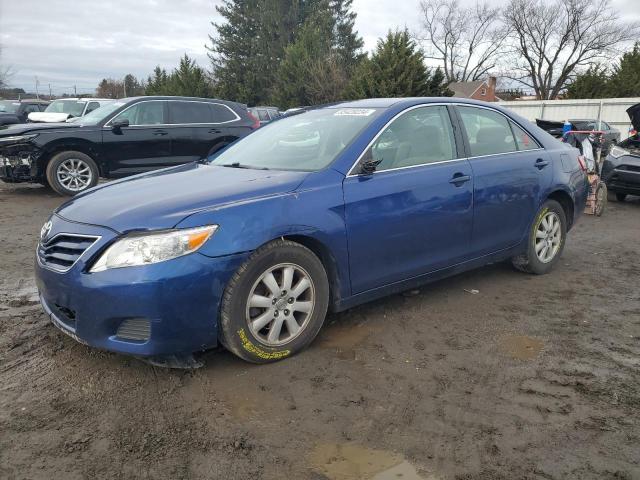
column 17, row 164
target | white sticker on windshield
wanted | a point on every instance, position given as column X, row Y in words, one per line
column 354, row 112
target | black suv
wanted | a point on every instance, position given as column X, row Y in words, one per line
column 17, row 111
column 129, row 136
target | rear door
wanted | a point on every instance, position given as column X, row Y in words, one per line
column 198, row 128
column 414, row 214
column 143, row 145
column 510, row 172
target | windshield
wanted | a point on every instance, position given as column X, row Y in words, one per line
column 7, row 106
column 72, row 107
column 306, row 142
column 92, row 118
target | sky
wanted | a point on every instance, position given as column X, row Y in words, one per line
column 67, row 43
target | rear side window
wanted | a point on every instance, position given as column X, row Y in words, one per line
column 420, row 136
column 523, row 139
column 190, row 112
column 488, row 132
column 263, row 116
column 222, row 113
column 91, row 107
column 32, row 107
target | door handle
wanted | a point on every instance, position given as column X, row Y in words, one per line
column 459, row 178
column 215, row 130
column 160, row 132
column 541, row 163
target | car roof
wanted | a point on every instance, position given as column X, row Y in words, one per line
column 407, row 102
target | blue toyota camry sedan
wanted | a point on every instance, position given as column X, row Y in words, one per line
column 319, row 211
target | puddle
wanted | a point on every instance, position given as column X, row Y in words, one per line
column 521, row 347
column 353, row 462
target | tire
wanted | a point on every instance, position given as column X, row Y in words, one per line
column 70, row 173
column 601, row 199
column 531, row 261
column 249, row 331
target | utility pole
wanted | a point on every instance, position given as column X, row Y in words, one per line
column 50, row 92
column 75, row 91
column 37, row 83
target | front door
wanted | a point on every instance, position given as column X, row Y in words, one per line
column 413, row 215
column 145, row 144
column 510, row 172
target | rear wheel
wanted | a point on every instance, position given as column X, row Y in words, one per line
column 275, row 303
column 70, row 173
column 546, row 240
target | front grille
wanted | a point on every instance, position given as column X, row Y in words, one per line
column 62, row 251
column 629, row 168
column 137, row 329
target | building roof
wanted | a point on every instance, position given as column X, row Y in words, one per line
column 465, row 89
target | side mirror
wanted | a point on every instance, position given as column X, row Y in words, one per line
column 369, row 164
column 118, row 124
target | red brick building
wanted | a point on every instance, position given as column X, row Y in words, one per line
column 484, row 90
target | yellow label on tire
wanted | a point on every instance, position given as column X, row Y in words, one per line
column 258, row 352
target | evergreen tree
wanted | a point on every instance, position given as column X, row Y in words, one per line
column 189, row 80
column 250, row 46
column 397, row 69
column 157, row 83
column 625, row 79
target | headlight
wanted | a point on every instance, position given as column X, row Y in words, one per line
column 143, row 249
column 17, row 138
column 617, row 152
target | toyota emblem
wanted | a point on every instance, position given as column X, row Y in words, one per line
column 44, row 231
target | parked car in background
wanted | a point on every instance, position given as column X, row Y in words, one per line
column 64, row 109
column 265, row 114
column 621, row 168
column 125, row 137
column 327, row 209
column 611, row 135
column 16, row 111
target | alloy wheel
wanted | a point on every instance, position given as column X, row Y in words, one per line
column 74, row 174
column 548, row 237
column 280, row 304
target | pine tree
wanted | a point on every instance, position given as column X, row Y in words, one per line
column 590, row 84
column 157, row 83
column 397, row 69
column 189, row 80
column 625, row 79
column 257, row 37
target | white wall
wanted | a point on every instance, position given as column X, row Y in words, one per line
column 610, row 110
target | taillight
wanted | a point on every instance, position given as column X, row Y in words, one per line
column 582, row 163
column 256, row 122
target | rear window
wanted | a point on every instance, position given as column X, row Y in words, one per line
column 190, row 112
column 222, row 113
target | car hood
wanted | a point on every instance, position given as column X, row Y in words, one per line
column 48, row 117
column 634, row 115
column 163, row 198
column 10, row 130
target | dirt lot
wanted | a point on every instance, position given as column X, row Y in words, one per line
column 531, row 378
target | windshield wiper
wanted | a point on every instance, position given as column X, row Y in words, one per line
column 241, row 165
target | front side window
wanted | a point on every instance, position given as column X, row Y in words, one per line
column 263, row 116
column 309, row 141
column 189, row 112
column 420, row 136
column 143, row 113
column 488, row 131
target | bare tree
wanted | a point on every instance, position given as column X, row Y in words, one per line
column 552, row 39
column 5, row 71
column 468, row 41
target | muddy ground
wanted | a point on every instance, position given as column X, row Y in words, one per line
column 530, row 378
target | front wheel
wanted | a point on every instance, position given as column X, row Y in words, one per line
column 546, row 240
column 70, row 173
column 275, row 304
